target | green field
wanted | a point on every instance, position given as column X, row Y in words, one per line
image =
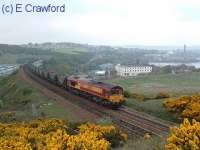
column 175, row 85
column 72, row 50
column 152, row 107
column 150, row 85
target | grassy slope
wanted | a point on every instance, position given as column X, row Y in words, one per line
column 27, row 103
column 71, row 50
column 175, row 85
column 152, row 107
column 154, row 143
column 15, row 93
column 12, row 59
column 19, row 58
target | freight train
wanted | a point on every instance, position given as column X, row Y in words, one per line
column 101, row 93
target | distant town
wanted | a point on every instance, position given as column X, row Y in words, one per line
column 105, row 61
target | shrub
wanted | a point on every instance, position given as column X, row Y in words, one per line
column 177, row 104
column 127, row 94
column 138, row 96
column 27, row 92
column 7, row 117
column 186, row 106
column 25, row 101
column 186, row 137
column 110, row 133
column 54, row 134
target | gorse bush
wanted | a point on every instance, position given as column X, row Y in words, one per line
column 127, row 94
column 142, row 97
column 138, row 96
column 186, row 137
column 186, row 106
column 110, row 133
column 27, row 92
column 55, row 134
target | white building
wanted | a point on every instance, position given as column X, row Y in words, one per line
column 8, row 69
column 125, row 71
column 100, row 73
column 38, row 63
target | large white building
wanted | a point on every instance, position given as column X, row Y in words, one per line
column 125, row 71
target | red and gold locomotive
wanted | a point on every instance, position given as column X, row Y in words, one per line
column 106, row 94
column 102, row 93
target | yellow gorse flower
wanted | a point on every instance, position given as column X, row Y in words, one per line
column 186, row 137
column 187, row 106
column 52, row 134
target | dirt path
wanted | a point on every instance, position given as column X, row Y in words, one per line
column 76, row 111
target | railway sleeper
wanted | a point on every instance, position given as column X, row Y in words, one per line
column 135, row 127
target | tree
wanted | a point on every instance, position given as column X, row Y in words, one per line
column 166, row 69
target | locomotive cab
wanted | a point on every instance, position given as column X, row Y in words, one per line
column 116, row 95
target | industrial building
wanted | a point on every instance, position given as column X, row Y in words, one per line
column 126, row 71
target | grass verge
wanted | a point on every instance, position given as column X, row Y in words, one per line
column 25, row 102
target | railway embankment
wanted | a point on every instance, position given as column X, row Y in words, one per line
column 133, row 122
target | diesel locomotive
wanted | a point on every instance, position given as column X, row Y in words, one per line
column 102, row 93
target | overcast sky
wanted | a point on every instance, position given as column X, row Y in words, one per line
column 110, row 22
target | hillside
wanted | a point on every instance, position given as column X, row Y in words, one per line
column 69, row 48
column 20, row 101
column 14, row 54
column 70, row 58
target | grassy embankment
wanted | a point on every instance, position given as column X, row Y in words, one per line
column 63, row 61
column 150, row 85
column 17, row 99
column 153, row 143
column 26, row 103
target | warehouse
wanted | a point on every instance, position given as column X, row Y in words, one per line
column 126, row 71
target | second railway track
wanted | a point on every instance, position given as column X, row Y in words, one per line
column 131, row 121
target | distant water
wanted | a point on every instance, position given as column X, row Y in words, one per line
column 195, row 64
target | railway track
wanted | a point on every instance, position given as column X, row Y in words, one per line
column 131, row 121
column 153, row 127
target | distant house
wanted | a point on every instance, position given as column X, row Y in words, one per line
column 125, row 71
